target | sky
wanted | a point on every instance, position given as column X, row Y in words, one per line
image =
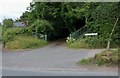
column 13, row 8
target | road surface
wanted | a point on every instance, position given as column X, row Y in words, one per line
column 52, row 60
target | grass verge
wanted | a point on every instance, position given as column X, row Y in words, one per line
column 90, row 43
column 86, row 43
column 107, row 58
column 25, row 42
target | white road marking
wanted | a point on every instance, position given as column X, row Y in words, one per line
column 49, row 69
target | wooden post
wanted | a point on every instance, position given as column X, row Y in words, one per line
column 108, row 44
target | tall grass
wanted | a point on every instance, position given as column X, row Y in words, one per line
column 24, row 42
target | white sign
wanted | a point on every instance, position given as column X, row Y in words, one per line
column 91, row 34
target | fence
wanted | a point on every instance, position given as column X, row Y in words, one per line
column 77, row 34
column 40, row 36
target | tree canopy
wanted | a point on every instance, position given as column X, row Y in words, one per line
column 7, row 23
column 69, row 17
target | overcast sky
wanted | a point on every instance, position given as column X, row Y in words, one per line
column 12, row 8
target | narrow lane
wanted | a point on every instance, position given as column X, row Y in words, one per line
column 52, row 58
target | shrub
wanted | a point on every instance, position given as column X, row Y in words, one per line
column 10, row 33
column 42, row 26
column 24, row 42
column 78, row 44
column 70, row 40
column 108, row 57
column 115, row 59
column 87, row 42
column 102, row 60
column 95, row 42
column 84, row 61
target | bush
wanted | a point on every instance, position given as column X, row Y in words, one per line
column 102, row 60
column 70, row 40
column 108, row 57
column 24, row 42
column 88, row 42
column 115, row 59
column 77, row 44
column 10, row 33
column 84, row 61
column 42, row 26
column 95, row 42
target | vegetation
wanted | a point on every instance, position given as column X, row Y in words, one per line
column 19, row 37
column 108, row 58
column 59, row 19
column 69, row 17
column 8, row 23
column 89, row 42
column 64, row 16
column 25, row 42
column 100, row 18
column 42, row 27
column 10, row 33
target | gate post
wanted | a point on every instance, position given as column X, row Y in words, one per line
column 45, row 37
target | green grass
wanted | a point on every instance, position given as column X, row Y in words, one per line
column 77, row 44
column 90, row 43
column 25, row 42
column 107, row 57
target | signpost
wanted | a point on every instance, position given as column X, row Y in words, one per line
column 89, row 34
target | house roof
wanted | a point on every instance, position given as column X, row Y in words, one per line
column 19, row 24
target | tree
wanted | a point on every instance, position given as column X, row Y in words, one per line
column 101, row 19
column 63, row 15
column 8, row 23
column 69, row 17
column 42, row 26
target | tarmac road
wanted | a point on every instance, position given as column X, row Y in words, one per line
column 52, row 60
